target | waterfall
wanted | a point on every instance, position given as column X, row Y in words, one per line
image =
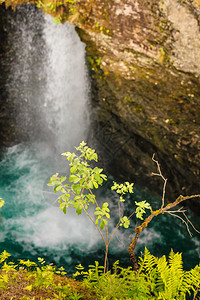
column 47, row 83
column 66, row 97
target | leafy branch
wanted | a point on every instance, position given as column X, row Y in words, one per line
column 77, row 193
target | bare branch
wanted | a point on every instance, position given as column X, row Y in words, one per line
column 131, row 215
column 180, row 210
column 163, row 178
column 158, row 166
column 173, row 214
column 191, row 223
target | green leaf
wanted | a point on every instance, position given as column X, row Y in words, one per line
column 63, row 205
column 63, row 178
column 76, row 179
column 95, row 184
column 90, row 198
column 97, row 212
column 102, row 224
column 79, row 210
column 73, row 169
column 90, row 185
column 105, row 222
column 125, row 222
column 143, row 204
column 76, row 188
column 73, row 178
column 28, row 288
column 121, row 199
column 105, row 205
column 140, row 210
column 98, row 178
column 103, row 176
column 65, row 197
column 57, row 188
column 54, row 182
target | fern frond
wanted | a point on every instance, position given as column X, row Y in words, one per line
column 167, row 280
column 163, row 269
column 148, row 262
column 148, row 267
column 191, row 280
column 176, row 274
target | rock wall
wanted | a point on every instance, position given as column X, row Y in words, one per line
column 144, row 63
column 144, row 60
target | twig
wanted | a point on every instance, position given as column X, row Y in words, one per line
column 164, row 179
column 191, row 223
column 173, row 214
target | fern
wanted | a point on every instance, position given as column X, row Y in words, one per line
column 147, row 266
column 167, row 279
column 191, row 280
column 176, row 274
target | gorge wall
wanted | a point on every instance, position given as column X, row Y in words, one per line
column 144, row 64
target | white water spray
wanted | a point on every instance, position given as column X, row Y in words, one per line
column 48, row 85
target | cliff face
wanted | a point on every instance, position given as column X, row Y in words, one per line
column 145, row 69
column 145, row 65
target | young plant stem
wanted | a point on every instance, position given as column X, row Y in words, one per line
column 105, row 259
column 106, row 243
column 94, row 224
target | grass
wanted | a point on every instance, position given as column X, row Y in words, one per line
column 30, row 281
column 21, row 285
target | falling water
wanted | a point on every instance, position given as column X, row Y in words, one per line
column 48, row 81
column 48, row 85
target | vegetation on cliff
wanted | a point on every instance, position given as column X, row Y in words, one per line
column 157, row 278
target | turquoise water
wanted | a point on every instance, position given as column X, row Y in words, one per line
column 33, row 226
